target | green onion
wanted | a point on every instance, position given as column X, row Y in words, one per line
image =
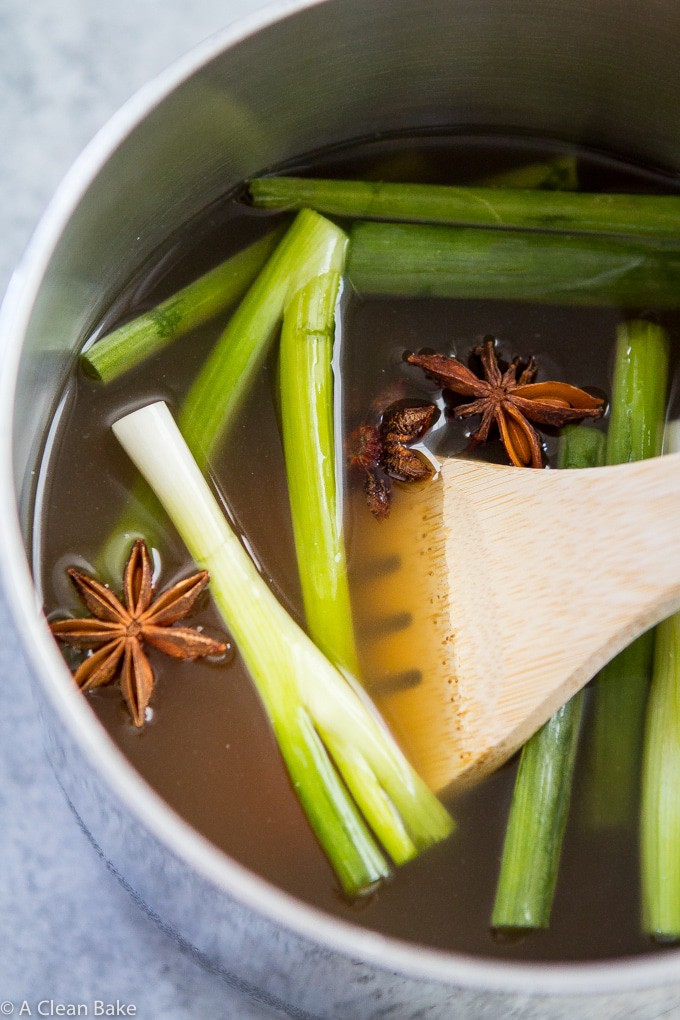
column 415, row 260
column 312, row 247
column 660, row 823
column 190, row 307
column 660, row 814
column 354, row 783
column 558, row 174
column 638, row 408
column 581, row 447
column 307, row 414
column 655, row 216
column 639, row 392
column 540, row 800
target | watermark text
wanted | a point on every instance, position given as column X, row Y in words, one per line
column 52, row 1007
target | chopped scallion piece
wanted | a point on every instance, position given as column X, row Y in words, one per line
column 638, row 409
column 540, row 800
column 660, row 814
column 634, row 216
column 557, row 174
column 425, row 260
column 195, row 304
column 307, row 414
column 309, row 249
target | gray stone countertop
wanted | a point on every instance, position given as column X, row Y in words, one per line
column 68, row 932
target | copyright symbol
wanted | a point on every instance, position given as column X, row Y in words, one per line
column 6, row 1008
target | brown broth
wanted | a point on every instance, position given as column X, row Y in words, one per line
column 208, row 748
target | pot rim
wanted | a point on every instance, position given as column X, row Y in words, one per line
column 254, row 892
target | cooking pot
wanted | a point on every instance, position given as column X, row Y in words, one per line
column 293, row 78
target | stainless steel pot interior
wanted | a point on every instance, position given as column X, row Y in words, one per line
column 296, row 77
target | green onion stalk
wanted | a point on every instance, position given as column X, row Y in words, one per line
column 653, row 216
column 308, row 249
column 311, row 248
column 307, row 416
column 194, row 305
column 540, row 801
column 418, row 260
column 636, row 426
column 660, row 812
column 560, row 173
column 364, row 801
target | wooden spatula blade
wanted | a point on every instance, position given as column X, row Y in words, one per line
column 524, row 584
column 550, row 574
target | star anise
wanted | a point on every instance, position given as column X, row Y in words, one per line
column 381, row 452
column 117, row 631
column 364, row 452
column 510, row 399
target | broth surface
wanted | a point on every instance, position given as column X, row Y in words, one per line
column 208, row 749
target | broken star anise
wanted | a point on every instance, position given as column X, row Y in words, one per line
column 510, row 399
column 381, row 452
column 117, row 631
column 364, row 453
column 402, row 424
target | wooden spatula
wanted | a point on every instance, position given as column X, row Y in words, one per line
column 524, row 584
